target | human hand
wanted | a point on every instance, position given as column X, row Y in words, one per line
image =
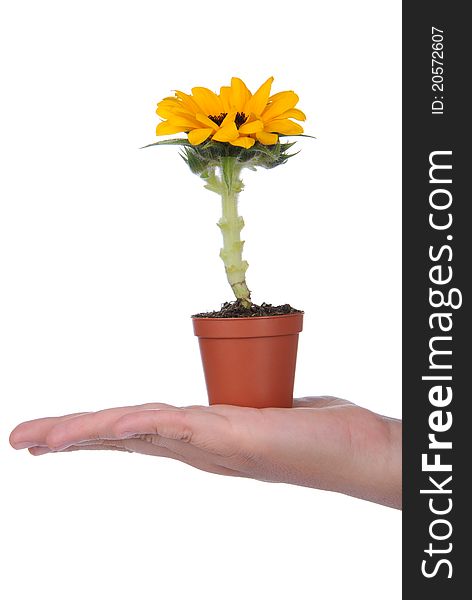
column 323, row 442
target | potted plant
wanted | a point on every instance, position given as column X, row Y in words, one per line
column 248, row 351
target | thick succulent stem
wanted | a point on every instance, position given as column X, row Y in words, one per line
column 231, row 224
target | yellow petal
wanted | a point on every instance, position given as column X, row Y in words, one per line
column 168, row 100
column 239, row 94
column 166, row 128
column 225, row 96
column 229, row 120
column 176, row 114
column 208, row 101
column 268, row 139
column 174, row 104
column 226, row 134
column 187, row 101
column 284, row 126
column 279, row 104
column 244, row 142
column 183, row 121
column 164, row 110
column 169, row 105
column 258, row 102
column 206, row 121
column 277, row 96
column 252, row 127
column 293, row 113
column 197, row 136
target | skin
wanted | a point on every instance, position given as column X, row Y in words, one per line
column 322, row 442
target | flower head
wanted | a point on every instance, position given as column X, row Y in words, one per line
column 234, row 116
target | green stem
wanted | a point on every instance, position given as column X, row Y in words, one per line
column 231, row 224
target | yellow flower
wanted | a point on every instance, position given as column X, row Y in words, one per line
column 235, row 116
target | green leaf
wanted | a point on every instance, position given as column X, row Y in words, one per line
column 173, row 142
column 298, row 135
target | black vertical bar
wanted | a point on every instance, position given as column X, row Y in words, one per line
column 436, row 119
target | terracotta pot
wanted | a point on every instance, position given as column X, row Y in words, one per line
column 249, row 361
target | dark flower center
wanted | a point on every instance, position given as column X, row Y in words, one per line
column 218, row 119
column 239, row 119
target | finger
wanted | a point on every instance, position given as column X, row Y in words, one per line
column 33, row 433
column 40, row 451
column 93, row 426
column 186, row 454
column 143, row 447
column 156, row 445
column 204, row 429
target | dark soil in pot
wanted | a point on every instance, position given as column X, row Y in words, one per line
column 231, row 310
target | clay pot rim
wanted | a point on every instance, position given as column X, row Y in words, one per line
column 247, row 327
column 260, row 318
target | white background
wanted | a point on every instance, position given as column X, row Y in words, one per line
column 106, row 250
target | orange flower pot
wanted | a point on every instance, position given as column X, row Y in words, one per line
column 249, row 361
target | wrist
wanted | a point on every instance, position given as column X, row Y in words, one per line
column 379, row 471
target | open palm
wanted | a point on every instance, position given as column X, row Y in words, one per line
column 322, row 442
